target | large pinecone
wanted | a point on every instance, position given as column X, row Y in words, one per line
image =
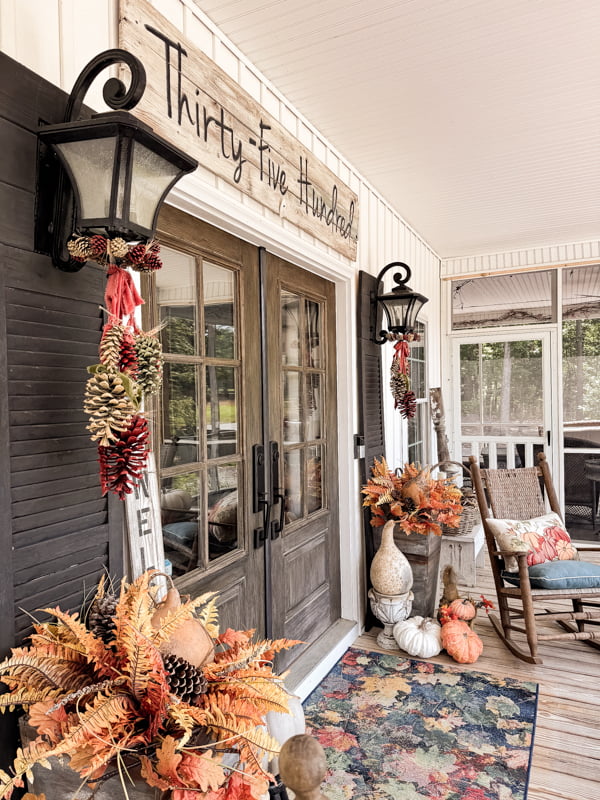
column 408, row 405
column 185, row 680
column 101, row 617
column 110, row 345
column 149, row 356
column 398, row 383
column 108, row 404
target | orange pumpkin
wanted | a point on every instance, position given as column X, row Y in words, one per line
column 460, row 642
column 463, row 608
column 191, row 640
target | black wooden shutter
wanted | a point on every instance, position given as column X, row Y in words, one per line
column 57, row 532
column 371, row 420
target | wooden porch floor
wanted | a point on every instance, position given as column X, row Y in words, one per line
column 566, row 754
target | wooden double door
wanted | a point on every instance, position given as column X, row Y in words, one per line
column 245, row 431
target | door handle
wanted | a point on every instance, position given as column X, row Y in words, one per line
column 277, row 491
column 260, row 497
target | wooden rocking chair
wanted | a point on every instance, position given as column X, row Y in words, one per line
column 516, row 494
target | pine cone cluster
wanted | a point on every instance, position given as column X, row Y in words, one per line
column 150, row 362
column 185, row 680
column 109, row 404
column 101, row 617
column 123, row 461
column 141, row 257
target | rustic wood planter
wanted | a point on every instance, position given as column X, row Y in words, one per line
column 62, row 783
column 423, row 554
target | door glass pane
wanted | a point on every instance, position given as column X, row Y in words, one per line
column 290, row 329
column 223, row 482
column 314, row 487
column 292, row 465
column 221, row 411
column 501, row 388
column 313, row 333
column 292, row 420
column 219, row 311
column 176, row 290
column 179, row 510
column 520, row 299
column 314, row 406
column 180, row 416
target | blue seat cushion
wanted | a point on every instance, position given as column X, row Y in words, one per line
column 560, row 575
column 182, row 533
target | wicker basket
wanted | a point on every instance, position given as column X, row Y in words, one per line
column 470, row 514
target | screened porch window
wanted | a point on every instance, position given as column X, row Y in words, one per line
column 522, row 299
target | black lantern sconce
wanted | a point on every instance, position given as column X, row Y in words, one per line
column 118, row 169
column 401, row 306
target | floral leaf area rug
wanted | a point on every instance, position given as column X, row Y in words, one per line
column 397, row 728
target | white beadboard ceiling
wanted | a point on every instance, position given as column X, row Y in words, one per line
column 478, row 120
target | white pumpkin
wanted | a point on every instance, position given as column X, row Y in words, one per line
column 419, row 636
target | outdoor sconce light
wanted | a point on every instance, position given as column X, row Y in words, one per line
column 401, row 306
column 119, row 170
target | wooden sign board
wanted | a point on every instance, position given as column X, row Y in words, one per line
column 144, row 528
column 195, row 105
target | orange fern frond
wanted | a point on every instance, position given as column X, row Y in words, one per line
column 90, row 646
column 209, row 616
column 98, row 721
column 37, row 752
column 40, row 673
column 26, row 697
column 136, row 606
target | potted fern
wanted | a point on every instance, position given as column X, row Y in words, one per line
column 149, row 691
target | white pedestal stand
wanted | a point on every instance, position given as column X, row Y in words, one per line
column 390, row 609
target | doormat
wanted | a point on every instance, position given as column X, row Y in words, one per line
column 397, row 728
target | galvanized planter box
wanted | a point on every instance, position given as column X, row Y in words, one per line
column 423, row 554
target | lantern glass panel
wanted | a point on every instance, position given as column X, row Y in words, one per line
column 91, row 165
column 151, row 177
column 395, row 312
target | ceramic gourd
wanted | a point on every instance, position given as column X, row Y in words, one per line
column 390, row 573
column 460, row 642
column 191, row 640
column 419, row 636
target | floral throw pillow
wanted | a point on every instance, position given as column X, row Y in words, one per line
column 543, row 538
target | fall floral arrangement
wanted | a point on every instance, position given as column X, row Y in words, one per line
column 412, row 498
column 147, row 686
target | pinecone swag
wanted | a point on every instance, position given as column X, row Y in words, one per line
column 101, row 617
column 404, row 398
column 185, row 680
column 123, row 461
column 130, row 363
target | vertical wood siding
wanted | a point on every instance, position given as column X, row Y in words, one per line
column 518, row 260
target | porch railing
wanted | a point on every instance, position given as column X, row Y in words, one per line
column 499, row 452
